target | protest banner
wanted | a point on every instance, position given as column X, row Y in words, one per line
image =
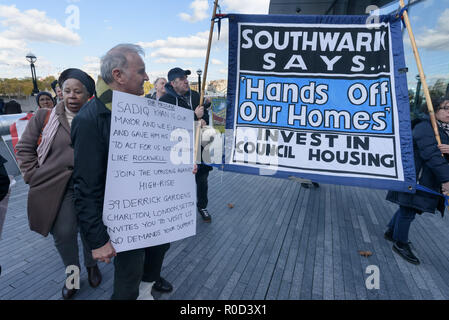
column 320, row 97
column 150, row 195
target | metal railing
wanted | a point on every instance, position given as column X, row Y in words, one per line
column 7, row 120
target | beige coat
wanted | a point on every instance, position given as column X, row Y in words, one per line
column 48, row 182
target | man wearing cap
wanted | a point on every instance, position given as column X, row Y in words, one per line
column 178, row 92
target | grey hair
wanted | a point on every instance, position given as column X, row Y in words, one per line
column 116, row 58
column 156, row 81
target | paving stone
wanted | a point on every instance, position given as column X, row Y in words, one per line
column 280, row 241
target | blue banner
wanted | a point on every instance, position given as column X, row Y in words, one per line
column 323, row 98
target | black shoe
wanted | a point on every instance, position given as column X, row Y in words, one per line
column 305, row 185
column 68, row 293
column 404, row 250
column 388, row 235
column 94, row 276
column 162, row 285
column 205, row 214
column 315, row 184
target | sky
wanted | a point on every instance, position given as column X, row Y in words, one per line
column 174, row 33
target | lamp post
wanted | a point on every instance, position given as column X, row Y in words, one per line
column 199, row 73
column 31, row 58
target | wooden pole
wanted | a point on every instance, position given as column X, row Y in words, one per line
column 203, row 84
column 433, row 120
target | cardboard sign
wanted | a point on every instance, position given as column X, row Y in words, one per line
column 150, row 195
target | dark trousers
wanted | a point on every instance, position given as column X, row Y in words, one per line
column 400, row 223
column 65, row 233
column 201, row 189
column 131, row 267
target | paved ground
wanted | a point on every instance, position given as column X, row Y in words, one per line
column 280, row 241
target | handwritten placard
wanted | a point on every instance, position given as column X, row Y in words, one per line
column 150, row 195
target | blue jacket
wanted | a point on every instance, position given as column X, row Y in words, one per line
column 431, row 170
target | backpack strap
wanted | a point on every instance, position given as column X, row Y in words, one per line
column 43, row 126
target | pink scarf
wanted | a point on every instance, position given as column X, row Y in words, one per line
column 444, row 126
column 48, row 135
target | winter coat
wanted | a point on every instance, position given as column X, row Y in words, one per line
column 47, row 182
column 90, row 135
column 173, row 98
column 432, row 170
column 4, row 189
column 151, row 96
column 4, row 179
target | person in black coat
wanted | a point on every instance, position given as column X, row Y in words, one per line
column 178, row 92
column 12, row 107
column 2, row 105
column 4, row 179
column 122, row 69
column 4, row 188
column 432, row 172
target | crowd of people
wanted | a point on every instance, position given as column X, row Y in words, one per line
column 44, row 99
column 10, row 107
column 63, row 156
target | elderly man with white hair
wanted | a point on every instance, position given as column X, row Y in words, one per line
column 122, row 69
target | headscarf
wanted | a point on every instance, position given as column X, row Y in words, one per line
column 49, row 132
column 79, row 75
column 43, row 93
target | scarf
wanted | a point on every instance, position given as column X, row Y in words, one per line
column 48, row 135
column 69, row 115
column 444, row 126
column 104, row 93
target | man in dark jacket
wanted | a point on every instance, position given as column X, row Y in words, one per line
column 178, row 92
column 122, row 69
column 4, row 179
column 2, row 105
column 12, row 107
column 432, row 172
column 4, row 188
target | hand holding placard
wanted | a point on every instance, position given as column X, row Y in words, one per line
column 104, row 253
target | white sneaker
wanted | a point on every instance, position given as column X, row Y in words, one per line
column 145, row 291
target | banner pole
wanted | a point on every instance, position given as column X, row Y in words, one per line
column 203, row 83
column 421, row 74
